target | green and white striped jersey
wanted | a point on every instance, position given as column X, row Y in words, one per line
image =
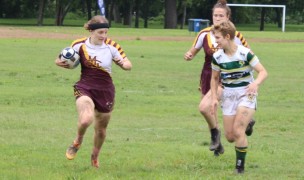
column 237, row 70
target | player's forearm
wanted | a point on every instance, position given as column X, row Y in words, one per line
column 190, row 54
column 127, row 65
column 214, row 81
column 261, row 77
column 214, row 87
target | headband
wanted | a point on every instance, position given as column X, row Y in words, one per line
column 98, row 26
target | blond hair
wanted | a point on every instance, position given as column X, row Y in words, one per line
column 94, row 20
column 226, row 27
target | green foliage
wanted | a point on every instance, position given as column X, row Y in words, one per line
column 77, row 15
column 148, row 8
column 156, row 131
column 154, row 23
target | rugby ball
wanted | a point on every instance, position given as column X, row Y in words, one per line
column 70, row 56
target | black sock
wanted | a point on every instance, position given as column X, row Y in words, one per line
column 240, row 157
column 214, row 133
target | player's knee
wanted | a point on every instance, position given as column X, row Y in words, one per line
column 230, row 137
column 203, row 109
column 237, row 133
column 85, row 124
column 86, row 119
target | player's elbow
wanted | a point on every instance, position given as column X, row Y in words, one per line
column 127, row 66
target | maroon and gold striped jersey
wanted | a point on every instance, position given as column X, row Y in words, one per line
column 96, row 62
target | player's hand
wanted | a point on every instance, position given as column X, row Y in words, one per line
column 213, row 106
column 252, row 89
column 61, row 63
column 118, row 61
column 188, row 56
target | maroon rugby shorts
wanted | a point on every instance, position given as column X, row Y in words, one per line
column 205, row 81
column 102, row 98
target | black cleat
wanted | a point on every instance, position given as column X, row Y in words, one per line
column 215, row 141
column 249, row 129
column 239, row 171
column 219, row 150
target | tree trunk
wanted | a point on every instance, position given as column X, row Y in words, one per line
column 170, row 14
column 83, row 3
column 145, row 12
column 111, row 11
column 278, row 17
column 127, row 13
column 41, row 12
column 1, row 9
column 116, row 14
column 263, row 12
column 58, row 13
column 61, row 11
column 184, row 15
column 137, row 3
column 89, row 8
column 96, row 8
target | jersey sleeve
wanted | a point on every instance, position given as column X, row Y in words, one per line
column 117, row 47
column 77, row 44
column 214, row 64
column 199, row 40
column 115, row 53
column 252, row 59
column 240, row 40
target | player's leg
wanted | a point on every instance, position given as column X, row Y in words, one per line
column 228, row 122
column 228, row 128
column 219, row 150
column 85, row 109
column 101, row 123
column 204, row 108
column 242, row 119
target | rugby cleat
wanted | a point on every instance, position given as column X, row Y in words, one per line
column 94, row 161
column 215, row 141
column 72, row 150
column 239, row 171
column 219, row 150
column 249, row 129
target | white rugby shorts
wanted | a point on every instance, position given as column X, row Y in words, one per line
column 232, row 98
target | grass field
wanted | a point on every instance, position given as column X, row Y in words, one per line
column 156, row 131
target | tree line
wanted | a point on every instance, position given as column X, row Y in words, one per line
column 173, row 13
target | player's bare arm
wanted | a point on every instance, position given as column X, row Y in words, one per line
column 125, row 63
column 189, row 55
column 214, row 87
column 252, row 88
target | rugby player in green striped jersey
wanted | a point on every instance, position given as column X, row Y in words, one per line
column 232, row 67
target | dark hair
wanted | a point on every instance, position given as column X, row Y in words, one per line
column 95, row 20
column 226, row 27
column 222, row 4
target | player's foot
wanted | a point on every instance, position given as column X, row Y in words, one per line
column 249, row 128
column 94, row 161
column 239, row 171
column 215, row 141
column 72, row 150
column 219, row 150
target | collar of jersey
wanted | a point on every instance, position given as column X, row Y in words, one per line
column 90, row 45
